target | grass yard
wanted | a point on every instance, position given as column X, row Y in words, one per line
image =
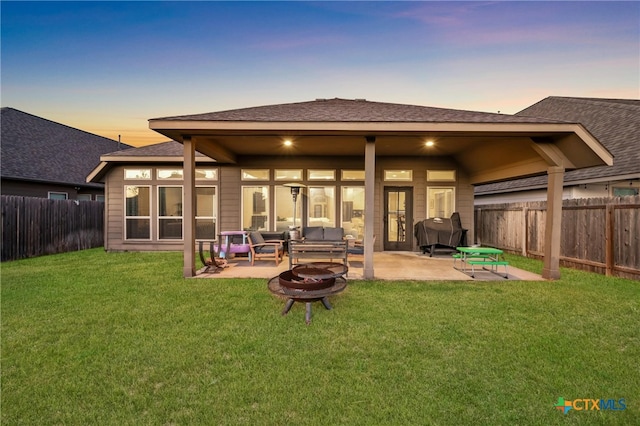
column 122, row 339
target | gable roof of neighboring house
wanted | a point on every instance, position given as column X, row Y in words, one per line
column 39, row 150
column 614, row 122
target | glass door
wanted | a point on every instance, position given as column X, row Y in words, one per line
column 398, row 218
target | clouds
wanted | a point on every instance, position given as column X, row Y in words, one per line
column 147, row 59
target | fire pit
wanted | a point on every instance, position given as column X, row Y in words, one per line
column 309, row 283
column 292, row 282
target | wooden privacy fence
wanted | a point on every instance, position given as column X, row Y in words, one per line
column 36, row 226
column 598, row 234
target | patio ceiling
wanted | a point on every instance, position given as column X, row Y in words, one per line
column 489, row 152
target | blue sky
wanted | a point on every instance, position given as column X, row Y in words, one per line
column 107, row 67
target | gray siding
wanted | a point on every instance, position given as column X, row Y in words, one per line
column 229, row 192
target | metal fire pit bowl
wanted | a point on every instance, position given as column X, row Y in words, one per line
column 320, row 270
column 289, row 280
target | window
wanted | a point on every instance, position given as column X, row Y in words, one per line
column 206, row 210
column 322, row 174
column 353, row 211
column 175, row 174
column 625, row 191
column 353, row 175
column 255, row 174
column 137, row 212
column 441, row 175
column 440, row 202
column 255, row 208
column 83, row 197
column 398, row 175
column 100, row 198
column 58, row 195
column 289, row 174
column 207, row 174
column 170, row 212
column 140, row 174
column 322, row 202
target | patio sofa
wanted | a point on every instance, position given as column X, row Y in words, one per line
column 321, row 233
column 318, row 243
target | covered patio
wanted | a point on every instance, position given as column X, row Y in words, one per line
column 479, row 147
column 398, row 265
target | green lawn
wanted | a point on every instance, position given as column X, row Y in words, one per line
column 122, row 339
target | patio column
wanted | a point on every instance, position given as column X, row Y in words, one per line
column 189, row 207
column 552, row 235
column 369, row 204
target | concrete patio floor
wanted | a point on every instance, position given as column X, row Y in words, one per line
column 388, row 266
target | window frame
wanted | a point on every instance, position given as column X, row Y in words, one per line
column 388, row 178
column 149, row 217
column 300, row 175
column 431, row 175
column 244, row 172
column 267, row 207
column 215, row 212
column 54, row 193
column 161, row 218
column 429, row 201
column 311, row 177
column 169, row 169
column 150, row 170
column 311, row 205
column 351, row 179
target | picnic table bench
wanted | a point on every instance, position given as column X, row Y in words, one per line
column 480, row 256
column 309, row 249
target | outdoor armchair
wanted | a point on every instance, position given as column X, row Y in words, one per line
column 265, row 249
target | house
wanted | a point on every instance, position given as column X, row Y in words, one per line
column 372, row 168
column 45, row 159
column 614, row 122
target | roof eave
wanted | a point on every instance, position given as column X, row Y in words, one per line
column 351, row 126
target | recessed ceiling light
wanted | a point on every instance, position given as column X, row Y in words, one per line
column 429, row 143
column 288, row 143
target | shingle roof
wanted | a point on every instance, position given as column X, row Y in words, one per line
column 162, row 149
column 615, row 122
column 37, row 149
column 358, row 110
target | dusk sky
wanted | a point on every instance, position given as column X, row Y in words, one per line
column 108, row 67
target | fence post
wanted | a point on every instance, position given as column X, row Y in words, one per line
column 608, row 250
column 477, row 236
column 525, row 229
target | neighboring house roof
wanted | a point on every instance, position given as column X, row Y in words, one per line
column 39, row 150
column 164, row 152
column 614, row 122
column 350, row 110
